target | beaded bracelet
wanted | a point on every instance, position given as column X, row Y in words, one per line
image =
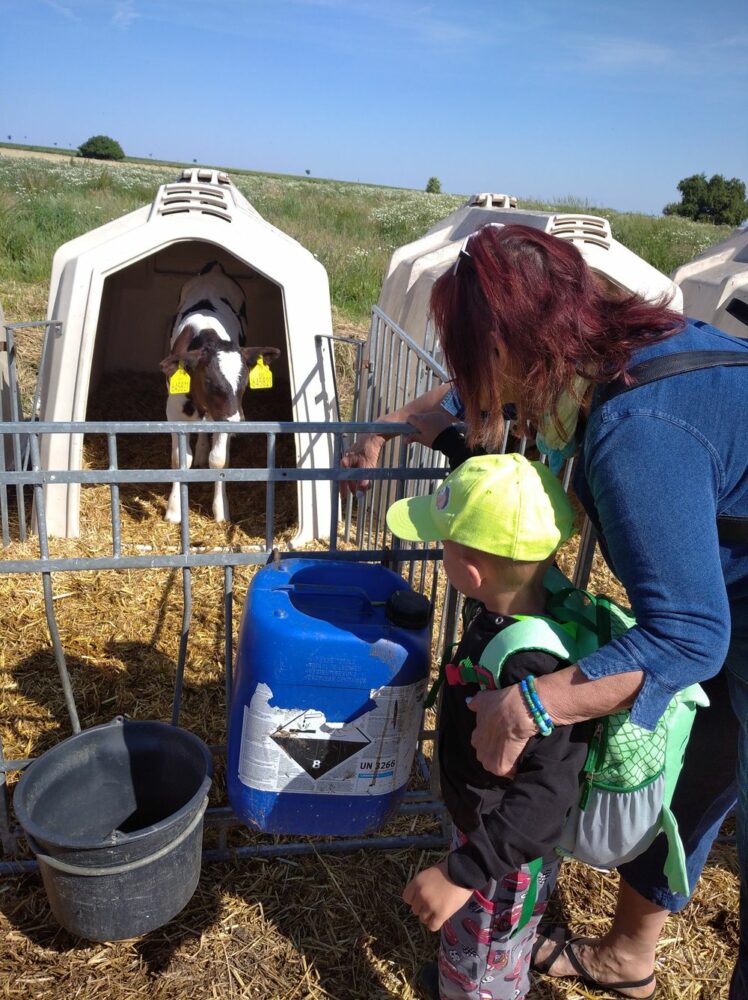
column 535, row 715
column 547, row 720
column 540, row 717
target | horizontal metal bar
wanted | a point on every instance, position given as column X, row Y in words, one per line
column 33, row 326
column 18, row 867
column 14, row 765
column 340, row 339
column 414, row 801
column 106, row 477
column 201, row 427
column 181, row 560
column 426, row 842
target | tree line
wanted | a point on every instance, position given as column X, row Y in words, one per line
column 716, row 200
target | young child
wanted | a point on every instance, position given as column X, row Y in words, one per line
column 501, row 519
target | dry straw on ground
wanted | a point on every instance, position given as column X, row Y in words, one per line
column 301, row 928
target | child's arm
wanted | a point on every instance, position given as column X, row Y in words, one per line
column 529, row 821
column 433, row 896
column 529, row 815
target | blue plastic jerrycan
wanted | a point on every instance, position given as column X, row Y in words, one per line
column 331, row 671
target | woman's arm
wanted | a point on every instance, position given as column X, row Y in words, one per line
column 503, row 724
column 653, row 486
column 365, row 450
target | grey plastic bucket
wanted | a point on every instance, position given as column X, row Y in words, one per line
column 115, row 818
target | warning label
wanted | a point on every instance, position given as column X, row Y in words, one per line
column 305, row 740
column 298, row 750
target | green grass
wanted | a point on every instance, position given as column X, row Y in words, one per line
column 352, row 228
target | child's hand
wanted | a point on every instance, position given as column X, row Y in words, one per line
column 433, row 897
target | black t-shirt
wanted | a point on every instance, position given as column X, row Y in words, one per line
column 508, row 822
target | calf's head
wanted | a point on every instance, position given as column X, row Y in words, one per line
column 218, row 370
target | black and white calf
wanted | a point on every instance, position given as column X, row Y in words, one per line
column 208, row 340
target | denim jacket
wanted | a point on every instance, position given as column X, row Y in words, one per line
column 656, row 467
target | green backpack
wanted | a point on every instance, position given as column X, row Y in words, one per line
column 629, row 776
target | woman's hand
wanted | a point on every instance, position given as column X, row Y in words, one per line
column 502, row 728
column 434, row 897
column 428, row 426
column 363, row 454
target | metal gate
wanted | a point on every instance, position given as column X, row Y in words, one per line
column 356, row 533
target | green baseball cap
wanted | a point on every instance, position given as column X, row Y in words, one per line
column 503, row 504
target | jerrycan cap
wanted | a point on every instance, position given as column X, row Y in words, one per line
column 408, row 609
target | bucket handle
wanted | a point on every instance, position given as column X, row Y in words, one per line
column 331, row 590
column 67, row 869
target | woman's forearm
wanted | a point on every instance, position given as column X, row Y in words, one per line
column 503, row 724
column 569, row 696
column 429, row 401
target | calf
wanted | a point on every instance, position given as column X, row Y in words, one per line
column 208, row 340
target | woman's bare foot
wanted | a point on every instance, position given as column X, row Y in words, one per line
column 592, row 959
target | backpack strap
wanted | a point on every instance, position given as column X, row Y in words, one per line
column 731, row 530
column 529, row 632
column 667, row 365
column 592, row 616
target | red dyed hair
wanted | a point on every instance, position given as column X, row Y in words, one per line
column 531, row 295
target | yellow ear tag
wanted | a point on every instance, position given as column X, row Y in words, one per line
column 179, row 382
column 260, row 377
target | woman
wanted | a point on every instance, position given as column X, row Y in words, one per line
column 522, row 319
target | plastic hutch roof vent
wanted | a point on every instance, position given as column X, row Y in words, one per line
column 715, row 284
column 414, row 268
column 203, row 191
column 582, row 229
column 116, row 290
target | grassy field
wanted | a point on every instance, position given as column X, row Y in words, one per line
column 352, row 228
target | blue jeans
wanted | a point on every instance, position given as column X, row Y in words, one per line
column 738, row 679
column 714, row 778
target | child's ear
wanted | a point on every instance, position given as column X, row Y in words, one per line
column 473, row 571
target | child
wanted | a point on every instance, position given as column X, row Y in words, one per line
column 501, row 519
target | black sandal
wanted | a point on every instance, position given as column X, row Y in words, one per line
column 544, row 964
column 589, row 980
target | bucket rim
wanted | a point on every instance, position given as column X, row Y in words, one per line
column 38, row 834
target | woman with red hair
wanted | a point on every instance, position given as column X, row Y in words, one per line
column 661, row 471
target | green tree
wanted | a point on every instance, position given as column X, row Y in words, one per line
column 101, row 147
column 715, row 200
column 434, row 185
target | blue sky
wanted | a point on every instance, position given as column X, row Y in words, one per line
column 613, row 102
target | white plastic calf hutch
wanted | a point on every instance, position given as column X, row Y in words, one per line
column 715, row 285
column 413, row 268
column 116, row 290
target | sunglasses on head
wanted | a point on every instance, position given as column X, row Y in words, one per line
column 463, row 253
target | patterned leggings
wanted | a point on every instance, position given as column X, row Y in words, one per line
column 481, row 958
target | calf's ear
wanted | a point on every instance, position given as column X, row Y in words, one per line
column 251, row 354
column 188, row 359
column 188, row 334
column 169, row 365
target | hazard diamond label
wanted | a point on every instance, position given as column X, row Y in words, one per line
column 316, row 750
column 297, row 750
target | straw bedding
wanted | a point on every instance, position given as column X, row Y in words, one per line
column 302, row 928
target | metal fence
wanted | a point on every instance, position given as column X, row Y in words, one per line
column 395, row 369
